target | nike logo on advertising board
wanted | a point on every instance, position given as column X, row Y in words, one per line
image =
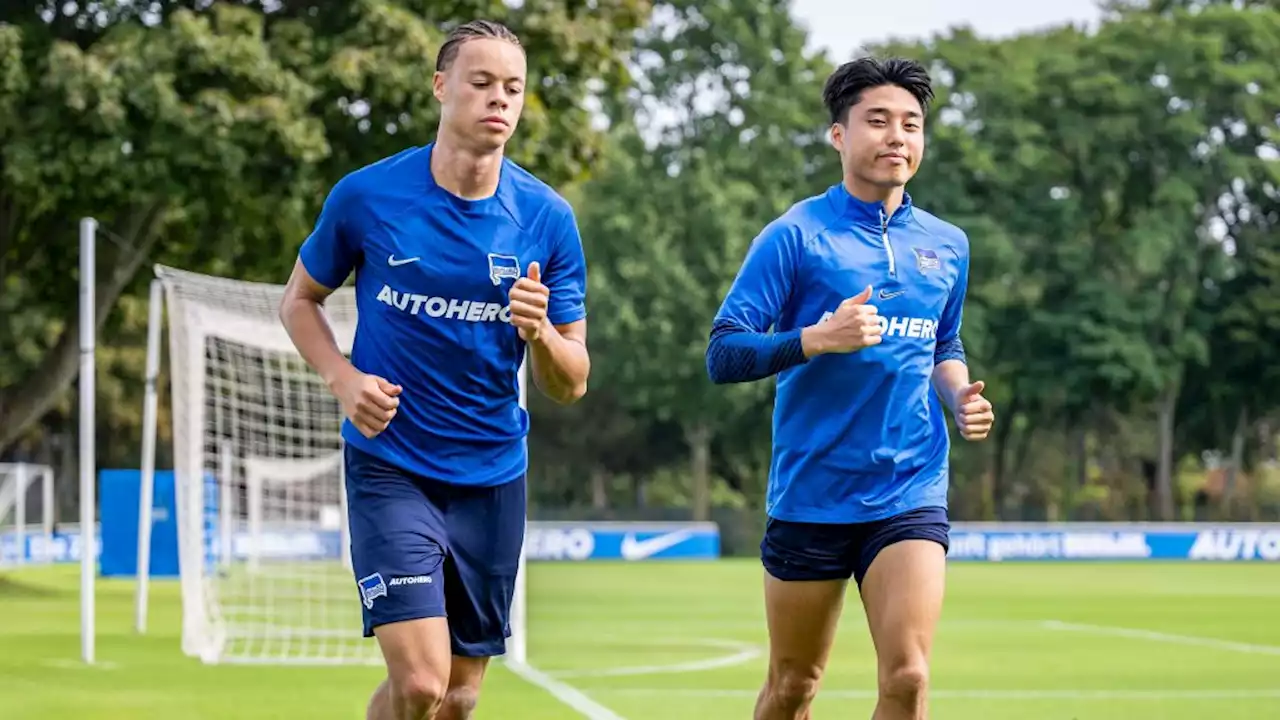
column 635, row 549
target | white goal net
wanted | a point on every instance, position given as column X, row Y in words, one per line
column 26, row 514
column 263, row 552
column 259, row 486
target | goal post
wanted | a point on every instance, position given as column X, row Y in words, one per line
column 263, row 547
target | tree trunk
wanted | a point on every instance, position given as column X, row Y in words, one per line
column 1080, row 453
column 699, row 439
column 1022, row 453
column 599, row 493
column 1004, row 433
column 1236, row 463
column 26, row 402
column 1164, row 467
column 1267, row 449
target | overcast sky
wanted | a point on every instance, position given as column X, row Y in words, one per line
column 841, row 26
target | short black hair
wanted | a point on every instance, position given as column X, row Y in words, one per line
column 845, row 86
column 473, row 30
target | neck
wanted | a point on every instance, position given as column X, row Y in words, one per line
column 870, row 193
column 463, row 172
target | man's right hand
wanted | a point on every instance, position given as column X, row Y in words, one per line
column 854, row 325
column 368, row 400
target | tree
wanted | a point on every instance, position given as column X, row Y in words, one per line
column 672, row 213
column 206, row 135
column 1098, row 153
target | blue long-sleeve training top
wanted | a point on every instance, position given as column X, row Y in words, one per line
column 858, row 436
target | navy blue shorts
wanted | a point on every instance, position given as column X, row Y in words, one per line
column 422, row 548
column 820, row 551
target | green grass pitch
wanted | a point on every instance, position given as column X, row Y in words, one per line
column 685, row 641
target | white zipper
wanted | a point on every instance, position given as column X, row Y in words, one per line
column 884, row 237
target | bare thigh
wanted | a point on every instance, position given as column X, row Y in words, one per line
column 902, row 594
column 802, row 620
column 419, row 660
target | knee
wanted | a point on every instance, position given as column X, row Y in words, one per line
column 794, row 688
column 418, row 694
column 905, row 683
column 460, row 703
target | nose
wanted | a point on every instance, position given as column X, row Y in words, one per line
column 498, row 99
column 896, row 137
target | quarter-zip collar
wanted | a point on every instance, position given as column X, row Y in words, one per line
column 871, row 214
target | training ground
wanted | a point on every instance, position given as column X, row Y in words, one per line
column 686, row 641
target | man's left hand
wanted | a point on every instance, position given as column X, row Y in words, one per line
column 973, row 413
column 529, row 299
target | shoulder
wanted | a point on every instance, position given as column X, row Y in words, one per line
column 802, row 222
column 944, row 233
column 532, row 203
column 368, row 183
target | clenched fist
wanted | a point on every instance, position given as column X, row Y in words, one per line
column 369, row 401
column 529, row 298
column 974, row 414
column 854, row 325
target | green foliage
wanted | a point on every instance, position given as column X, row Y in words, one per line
column 1121, row 190
column 672, row 212
column 206, row 135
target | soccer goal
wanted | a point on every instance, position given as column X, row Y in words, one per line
column 264, row 555
column 26, row 514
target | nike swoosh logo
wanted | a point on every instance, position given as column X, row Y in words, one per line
column 633, row 549
column 891, row 295
column 393, row 262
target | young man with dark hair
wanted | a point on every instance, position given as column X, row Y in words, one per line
column 462, row 261
column 864, row 293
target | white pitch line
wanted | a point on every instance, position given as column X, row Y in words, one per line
column 67, row 664
column 1152, row 635
column 565, row 693
column 1013, row 695
column 743, row 652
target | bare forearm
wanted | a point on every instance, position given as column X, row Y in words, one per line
column 560, row 365
column 949, row 378
column 305, row 321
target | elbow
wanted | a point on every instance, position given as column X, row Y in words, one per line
column 727, row 361
column 289, row 301
column 718, row 376
column 952, row 349
column 571, row 394
column 563, row 388
column 285, row 310
column 717, row 369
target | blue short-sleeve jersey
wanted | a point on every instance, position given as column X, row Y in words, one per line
column 432, row 276
column 859, row 436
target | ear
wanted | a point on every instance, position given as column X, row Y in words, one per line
column 437, row 85
column 836, row 135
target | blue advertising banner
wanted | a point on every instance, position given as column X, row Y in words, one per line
column 622, row 541
column 1115, row 541
column 34, row 548
column 633, row 542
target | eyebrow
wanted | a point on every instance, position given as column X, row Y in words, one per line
column 887, row 111
column 491, row 76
